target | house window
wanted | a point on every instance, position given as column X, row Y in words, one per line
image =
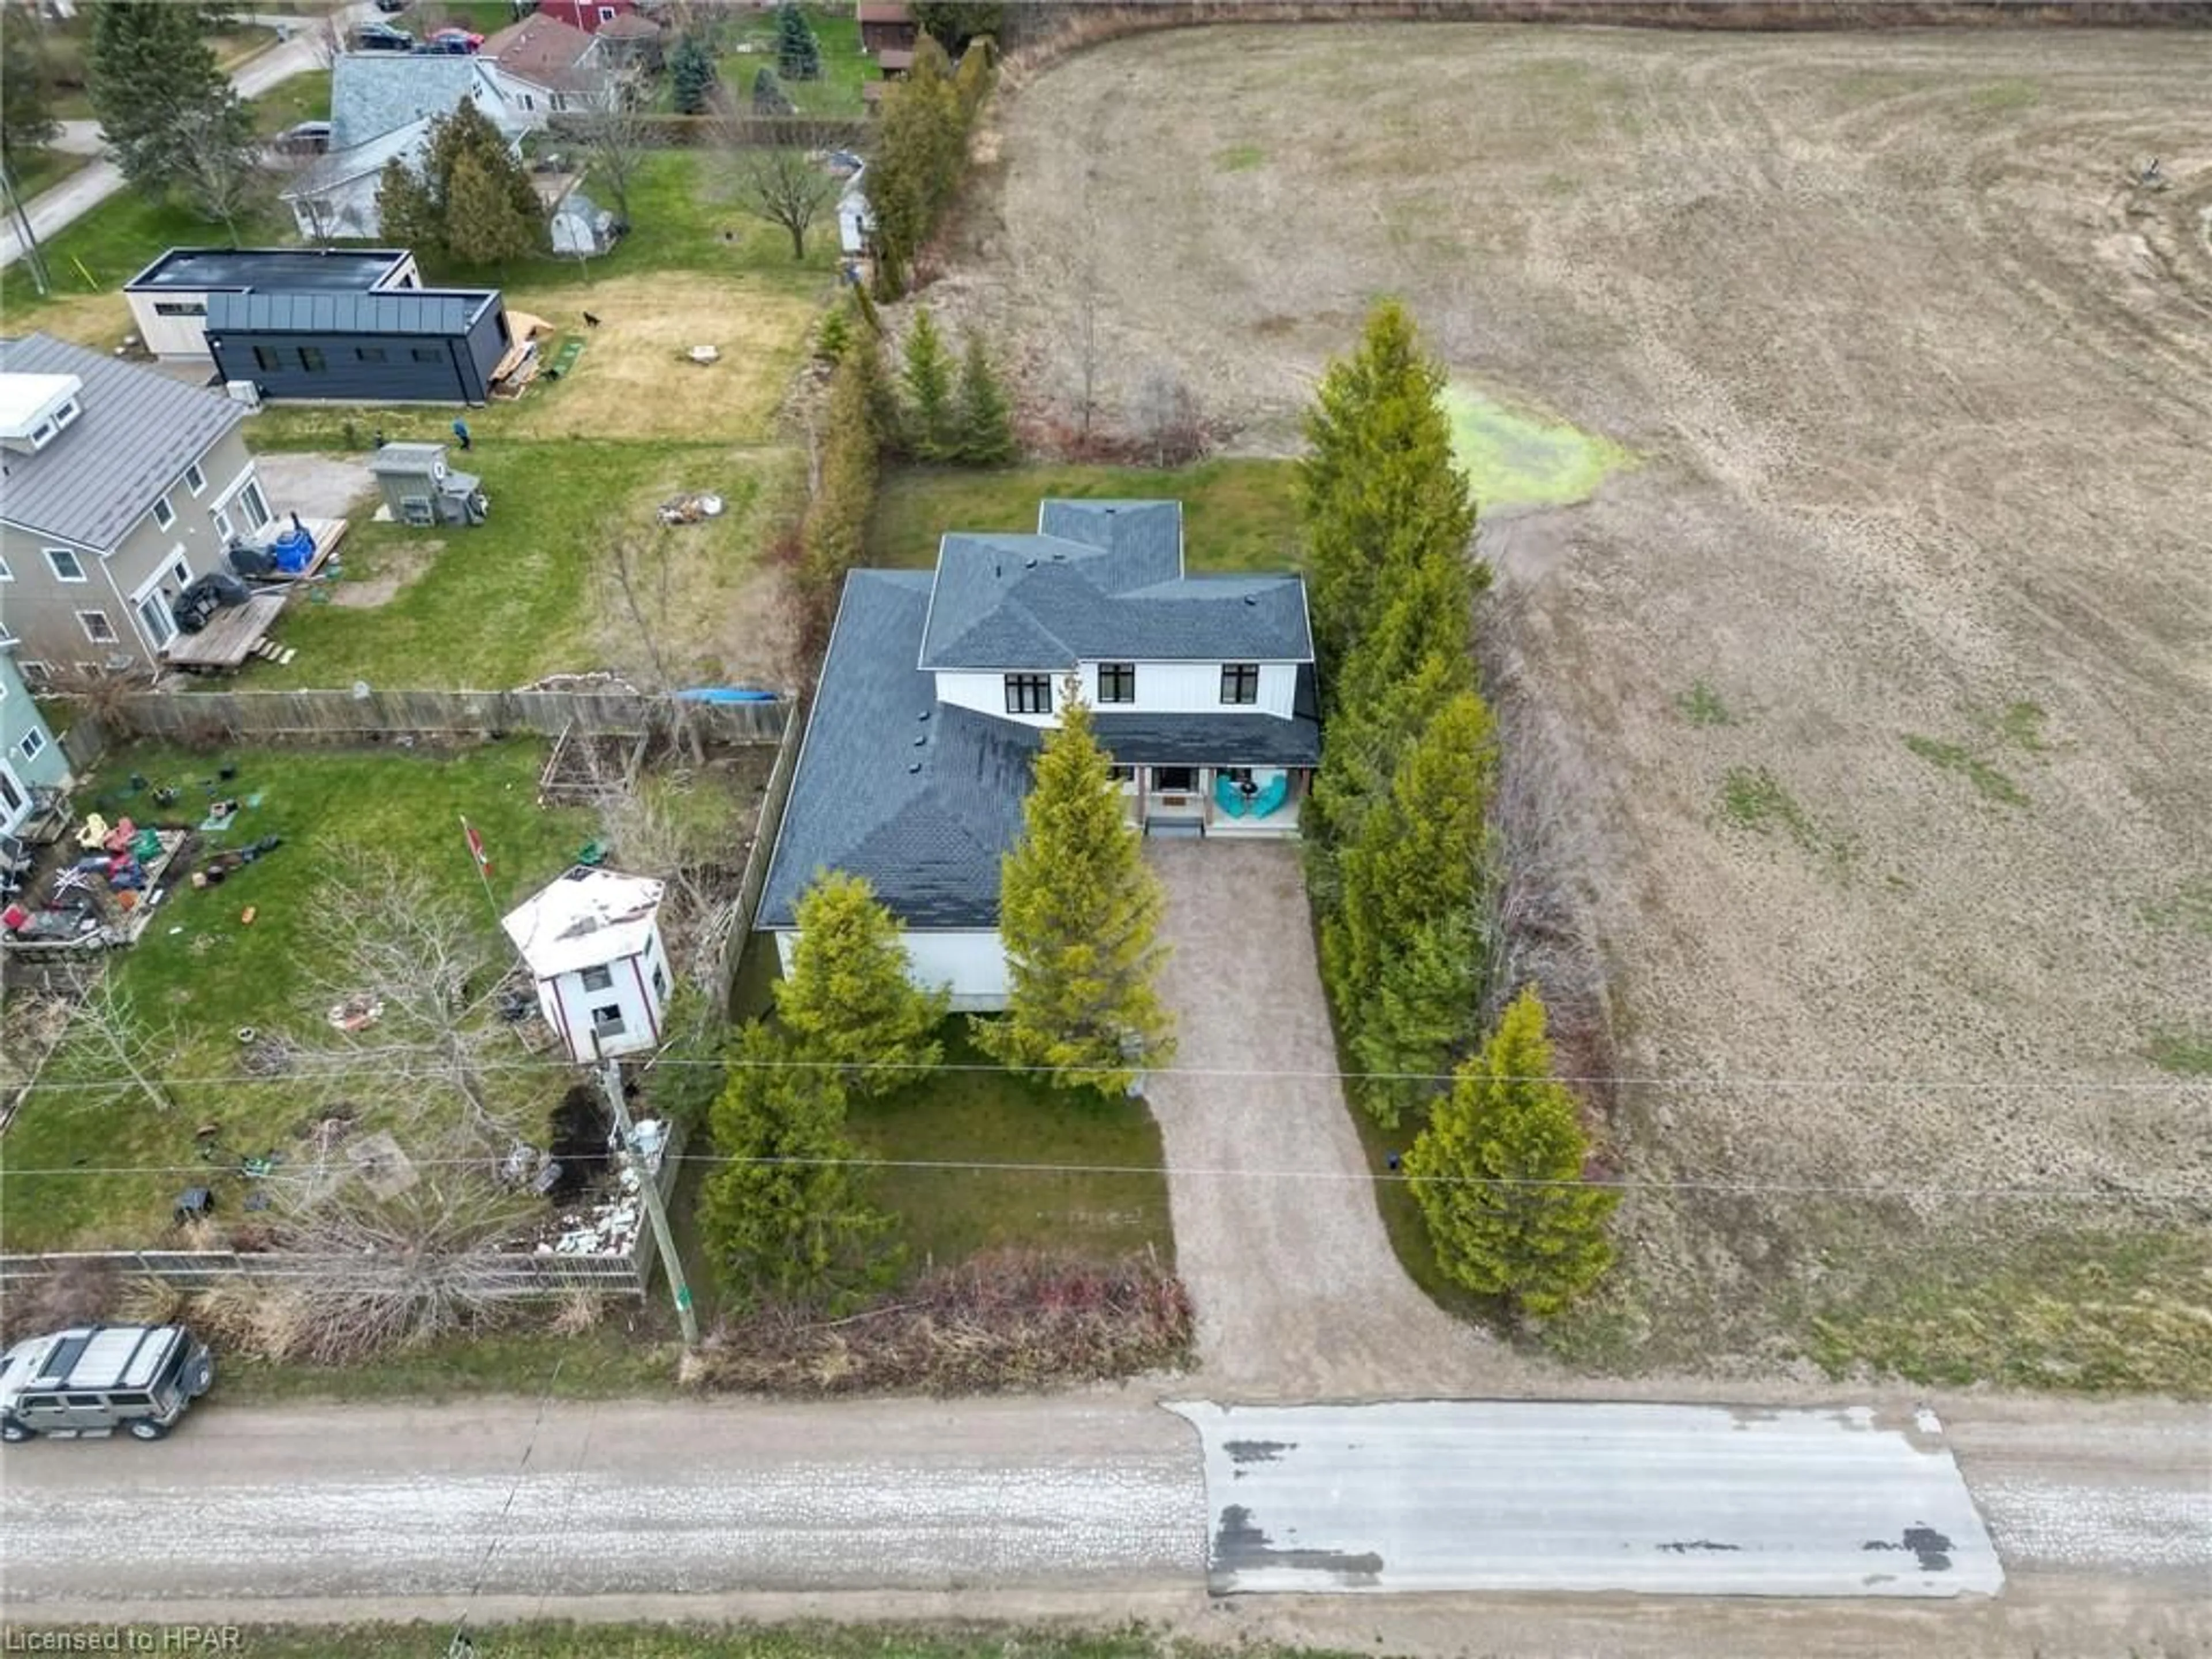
column 178, row 309
column 255, row 508
column 659, row 981
column 65, row 414
column 164, row 514
column 1125, row 776
column 33, row 743
column 1239, row 682
column 371, row 354
column 311, row 359
column 528, row 102
column 428, row 355
column 180, row 573
column 598, row 979
column 1029, row 694
column 1117, row 682
column 266, row 358
column 36, row 673
column 195, row 480
column 67, row 567
column 97, row 628
column 606, row 14
column 1174, row 780
column 222, row 526
column 11, row 796
column 607, row 1020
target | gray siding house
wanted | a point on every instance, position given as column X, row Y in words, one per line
column 30, row 758
column 107, row 516
column 422, row 346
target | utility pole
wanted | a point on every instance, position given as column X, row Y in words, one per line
column 648, row 1187
column 26, row 239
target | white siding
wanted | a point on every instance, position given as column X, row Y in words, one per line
column 170, row 337
column 1190, row 688
column 973, row 964
column 568, row 1005
column 1180, row 688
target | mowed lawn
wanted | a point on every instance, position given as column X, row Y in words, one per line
column 201, row 964
column 1237, row 514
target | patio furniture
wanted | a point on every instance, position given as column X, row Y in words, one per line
column 1271, row 799
column 1230, row 795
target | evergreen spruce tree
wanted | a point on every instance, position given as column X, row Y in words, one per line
column 1509, row 1121
column 1420, row 853
column 408, row 214
column 690, row 77
column 788, row 1216
column 1378, row 488
column 769, row 96
column 160, row 97
column 27, row 108
column 956, row 23
column 984, row 420
column 931, row 428
column 1424, row 1012
column 1079, row 912
column 481, row 227
column 798, row 54
column 846, row 998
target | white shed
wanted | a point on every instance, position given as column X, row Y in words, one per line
column 592, row 943
column 856, row 220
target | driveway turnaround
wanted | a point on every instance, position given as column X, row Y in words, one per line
column 1669, row 1500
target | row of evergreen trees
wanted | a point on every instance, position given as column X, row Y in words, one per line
column 1402, row 861
column 921, row 152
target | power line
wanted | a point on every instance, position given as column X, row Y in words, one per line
column 2044, row 1082
column 1746, row 1189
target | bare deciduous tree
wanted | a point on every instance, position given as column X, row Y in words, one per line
column 1168, row 416
column 613, row 139
column 782, row 185
column 222, row 175
column 386, row 936
column 394, row 1272
column 109, row 1030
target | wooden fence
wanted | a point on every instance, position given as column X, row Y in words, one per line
column 513, row 1274
column 723, row 944
column 208, row 720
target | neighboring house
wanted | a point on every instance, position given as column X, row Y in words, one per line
column 888, row 34
column 118, row 486
column 937, row 689
column 427, row 345
column 382, row 104
column 544, row 67
column 169, row 298
column 856, row 221
column 631, row 41
column 30, row 758
column 592, row 942
column 593, row 16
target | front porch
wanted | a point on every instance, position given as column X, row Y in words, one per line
column 1242, row 801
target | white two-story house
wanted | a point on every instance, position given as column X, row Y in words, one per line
column 939, row 686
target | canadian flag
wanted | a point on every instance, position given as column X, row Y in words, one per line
column 476, row 846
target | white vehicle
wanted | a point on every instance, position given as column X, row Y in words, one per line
column 95, row 1379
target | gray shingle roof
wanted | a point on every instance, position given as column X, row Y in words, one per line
column 928, row 841
column 440, row 313
column 410, row 145
column 138, row 433
column 1210, row 739
column 1102, row 581
column 372, row 92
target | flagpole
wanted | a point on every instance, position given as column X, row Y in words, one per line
column 476, row 858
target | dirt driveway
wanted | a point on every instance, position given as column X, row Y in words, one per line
column 1299, row 1295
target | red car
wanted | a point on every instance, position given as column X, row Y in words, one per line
column 457, row 41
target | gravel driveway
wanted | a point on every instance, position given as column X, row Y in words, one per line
column 1300, row 1295
column 316, row 486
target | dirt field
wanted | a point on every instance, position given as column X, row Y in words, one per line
column 1884, row 681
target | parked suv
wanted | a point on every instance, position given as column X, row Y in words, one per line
column 95, row 1379
column 382, row 37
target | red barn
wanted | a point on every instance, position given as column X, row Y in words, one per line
column 585, row 15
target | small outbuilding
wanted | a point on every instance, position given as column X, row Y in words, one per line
column 169, row 299
column 421, row 489
column 428, row 345
column 592, row 942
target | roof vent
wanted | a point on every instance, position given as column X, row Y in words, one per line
column 921, row 740
column 1251, row 599
column 923, row 715
column 1030, row 563
column 1110, row 512
column 914, row 766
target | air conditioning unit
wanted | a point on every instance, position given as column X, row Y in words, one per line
column 243, row 391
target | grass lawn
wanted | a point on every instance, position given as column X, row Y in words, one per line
column 40, row 170
column 568, row 1641
column 303, row 98
column 535, row 590
column 1237, row 514
column 989, row 1116
column 845, row 68
column 91, row 260
column 425, row 18
column 632, row 1352
column 199, row 963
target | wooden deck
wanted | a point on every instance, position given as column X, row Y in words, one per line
column 327, row 533
column 230, row 637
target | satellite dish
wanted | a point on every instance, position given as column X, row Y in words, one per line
column 438, row 467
